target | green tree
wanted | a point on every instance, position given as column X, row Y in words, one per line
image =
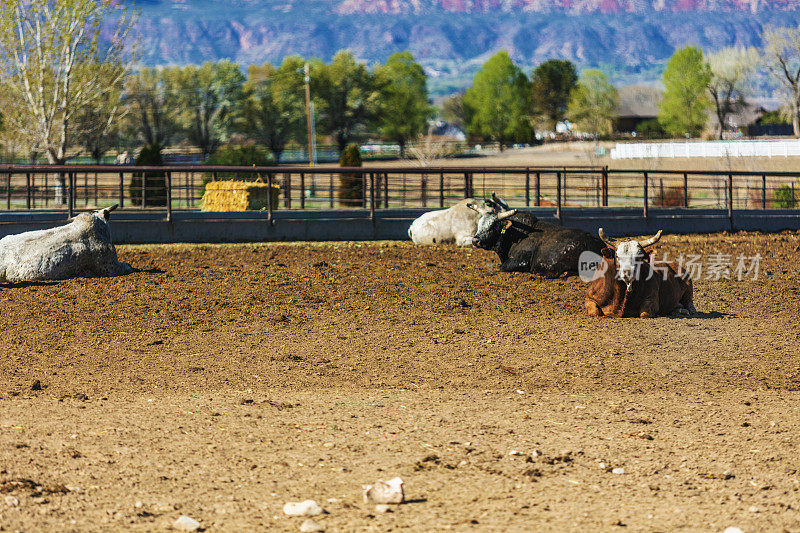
column 551, row 85
column 346, row 96
column 151, row 107
column 154, row 183
column 50, row 52
column 207, row 97
column 497, row 106
column 272, row 111
column 593, row 104
column 784, row 197
column 404, row 107
column 686, row 80
column 351, row 186
column 97, row 126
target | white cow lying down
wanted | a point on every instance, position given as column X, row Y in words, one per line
column 457, row 224
column 82, row 248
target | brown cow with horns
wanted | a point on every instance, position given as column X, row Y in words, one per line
column 627, row 285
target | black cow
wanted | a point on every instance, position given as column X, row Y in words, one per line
column 526, row 244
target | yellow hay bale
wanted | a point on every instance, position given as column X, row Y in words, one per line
column 238, row 196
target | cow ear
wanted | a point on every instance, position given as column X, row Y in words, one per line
column 608, row 252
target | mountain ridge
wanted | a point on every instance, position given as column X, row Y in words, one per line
column 451, row 38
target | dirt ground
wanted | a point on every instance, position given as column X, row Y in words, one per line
column 220, row 382
column 584, row 153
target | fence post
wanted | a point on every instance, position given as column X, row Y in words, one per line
column 598, row 180
column 645, row 210
column 144, row 190
column 121, row 189
column 527, row 187
column 378, row 196
column 441, row 189
column 302, row 190
column 363, row 189
column 71, row 194
column 466, row 185
column 685, row 189
column 423, row 189
column 330, row 187
column 605, row 186
column 763, row 191
column 287, row 190
column 730, row 200
column 538, row 190
column 269, row 197
column 8, row 191
column 27, row 190
column 169, row 196
column 372, row 196
column 386, row 190
column 558, row 196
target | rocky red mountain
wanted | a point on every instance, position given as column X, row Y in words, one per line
column 629, row 39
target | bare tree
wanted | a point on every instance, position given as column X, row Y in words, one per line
column 96, row 127
column 51, row 51
column 782, row 59
column 731, row 72
column 150, row 104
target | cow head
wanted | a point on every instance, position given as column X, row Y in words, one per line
column 629, row 256
column 104, row 213
column 490, row 223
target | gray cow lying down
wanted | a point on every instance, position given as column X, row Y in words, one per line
column 82, row 248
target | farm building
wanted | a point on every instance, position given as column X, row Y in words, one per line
column 637, row 104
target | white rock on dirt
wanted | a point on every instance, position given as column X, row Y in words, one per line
column 306, row 508
column 185, row 523
column 309, row 526
column 12, row 501
column 733, row 530
column 619, row 470
column 385, row 492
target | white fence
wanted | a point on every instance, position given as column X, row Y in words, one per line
column 762, row 148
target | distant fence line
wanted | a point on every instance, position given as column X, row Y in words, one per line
column 163, row 189
column 326, row 153
column 744, row 148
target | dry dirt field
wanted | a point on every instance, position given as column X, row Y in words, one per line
column 220, row 382
column 583, row 153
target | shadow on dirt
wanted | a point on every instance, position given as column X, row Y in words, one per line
column 701, row 315
column 24, row 284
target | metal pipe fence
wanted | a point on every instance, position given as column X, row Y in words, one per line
column 165, row 188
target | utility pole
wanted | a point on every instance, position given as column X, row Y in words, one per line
column 307, row 78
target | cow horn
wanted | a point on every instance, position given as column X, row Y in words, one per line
column 652, row 241
column 606, row 239
column 108, row 210
column 500, row 202
column 506, row 214
column 473, row 207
